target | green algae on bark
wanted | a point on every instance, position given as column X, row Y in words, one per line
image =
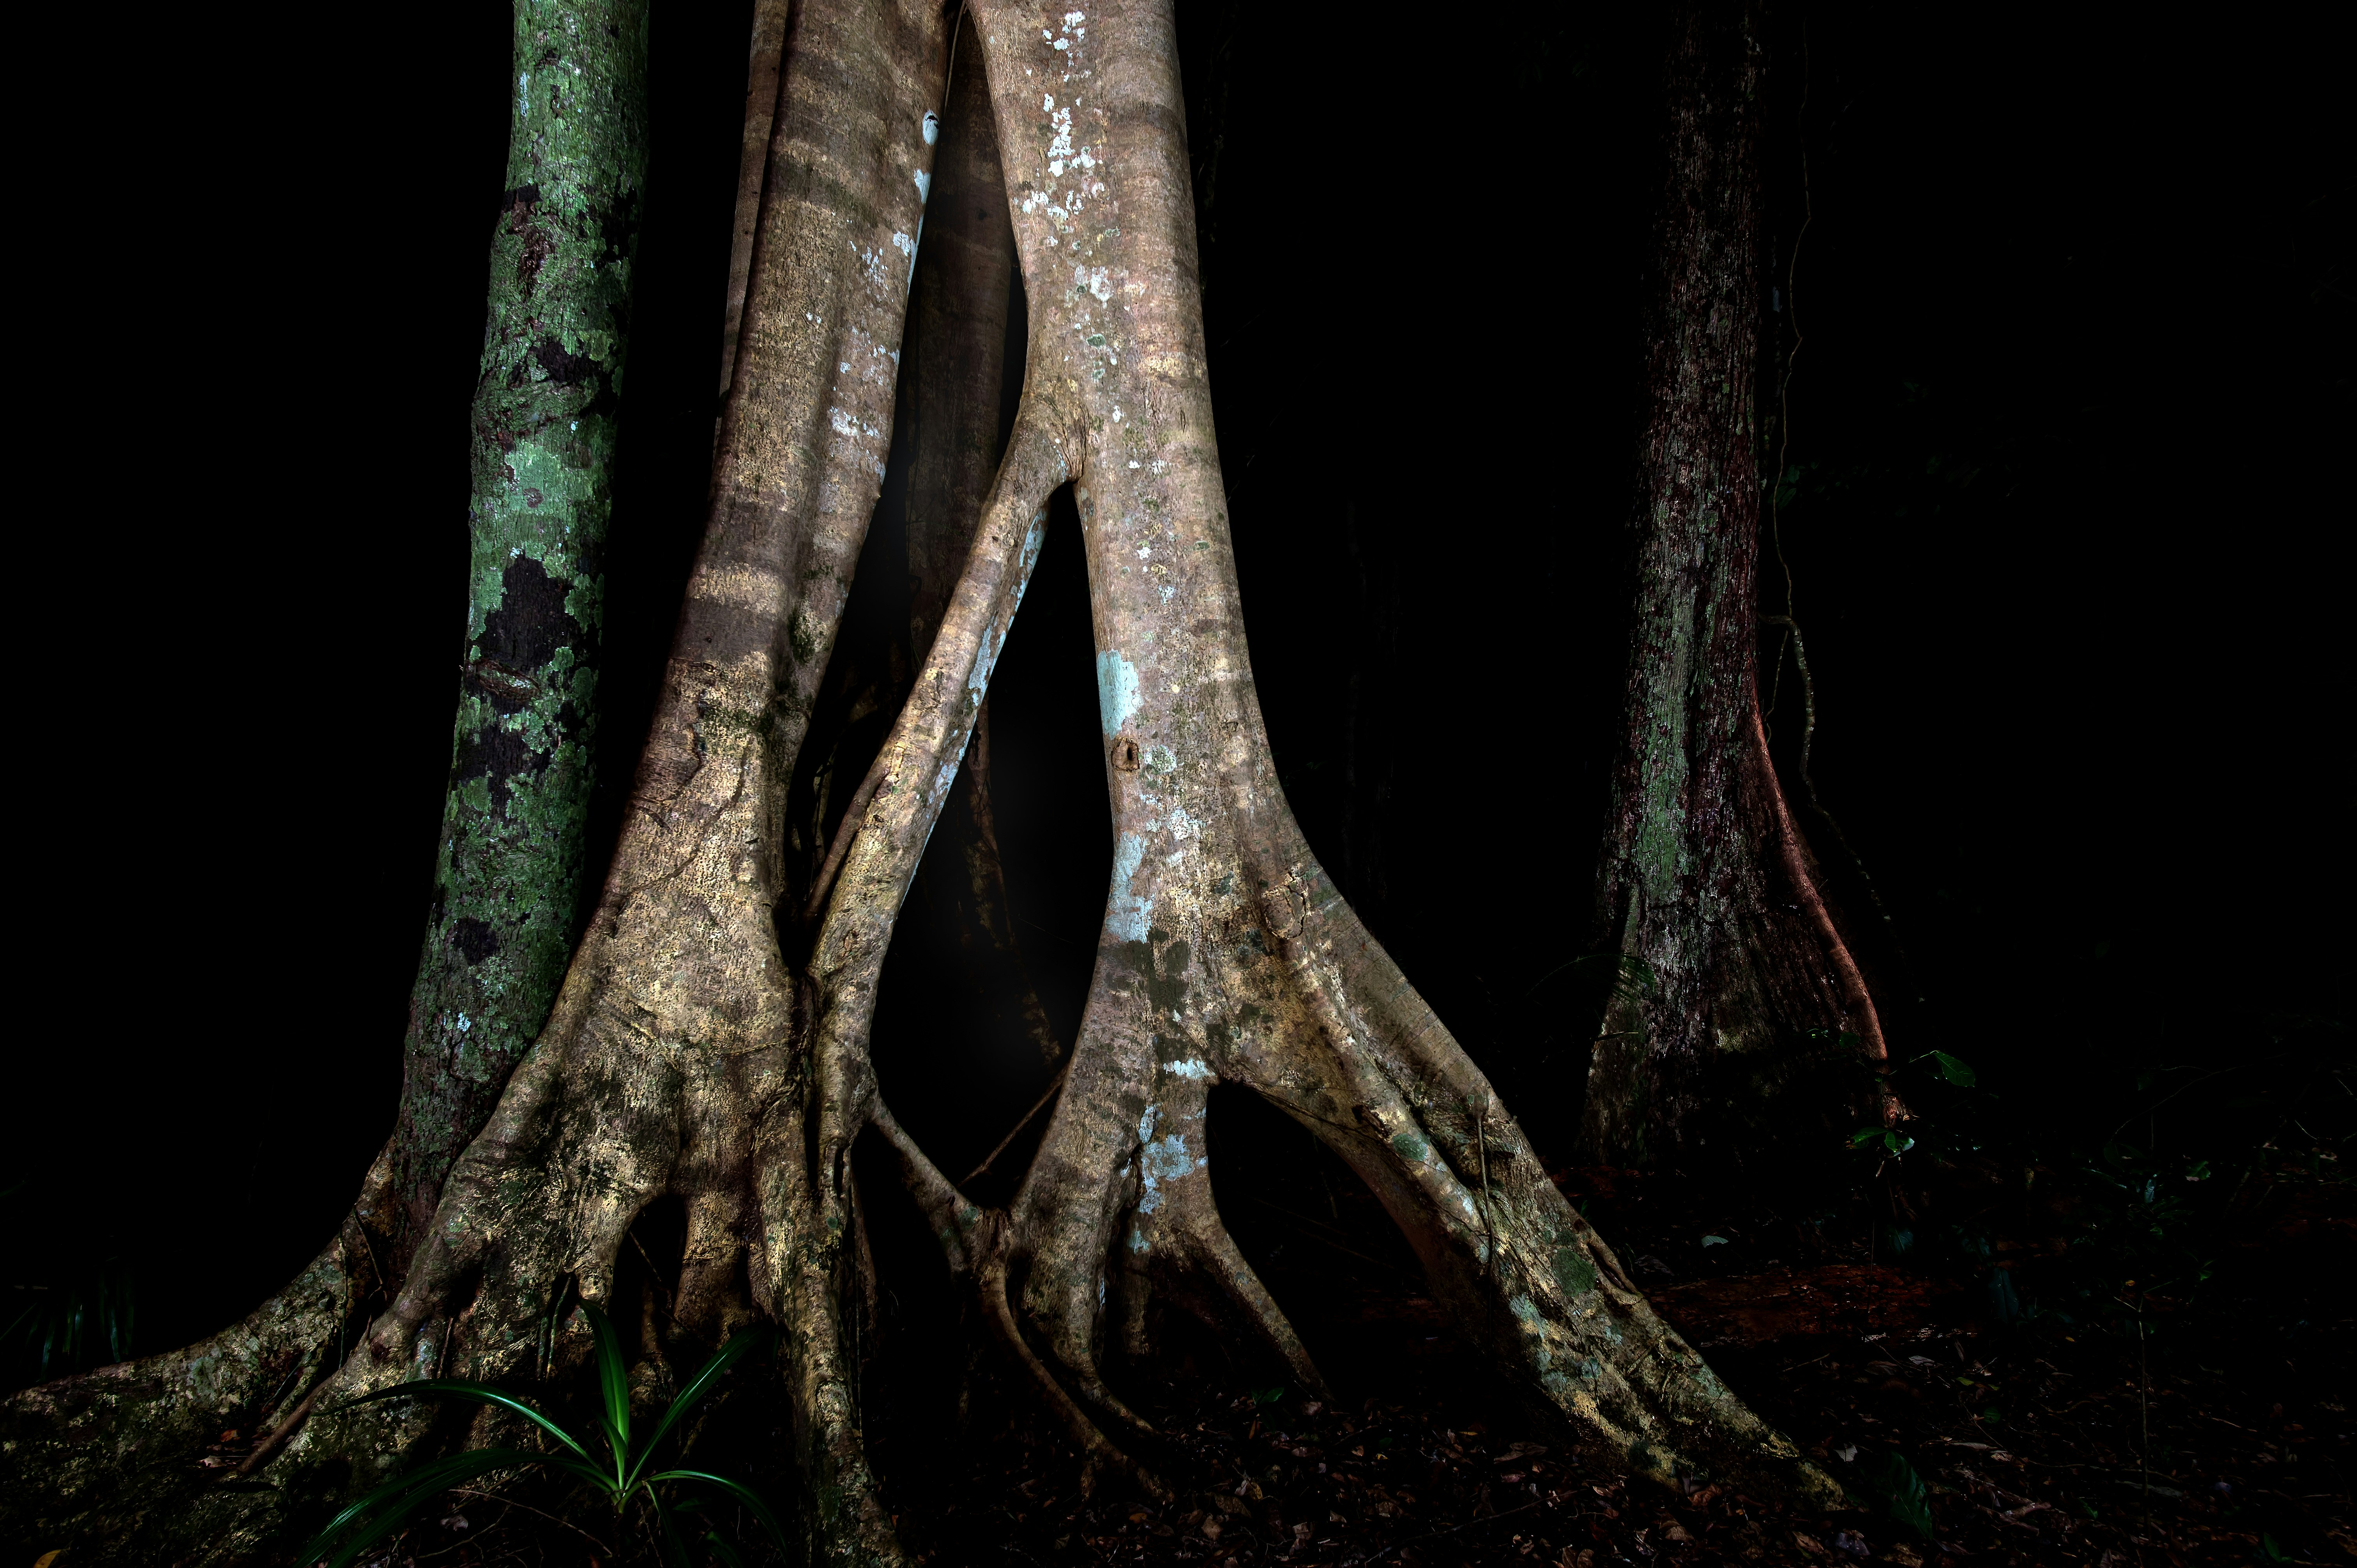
column 510, row 882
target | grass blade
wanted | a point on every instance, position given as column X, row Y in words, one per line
column 404, row 1496
column 697, row 1387
column 614, row 1382
column 667, row 1536
column 481, row 1393
column 737, row 1490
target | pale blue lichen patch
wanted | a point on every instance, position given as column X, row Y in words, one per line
column 1116, row 690
column 1128, row 913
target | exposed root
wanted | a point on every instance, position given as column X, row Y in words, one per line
column 974, row 1242
column 110, row 1460
column 1225, row 954
column 1047, row 1098
column 1796, row 869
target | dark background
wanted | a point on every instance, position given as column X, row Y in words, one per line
column 2064, row 515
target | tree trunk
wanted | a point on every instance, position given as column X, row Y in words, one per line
column 1225, row 954
column 509, row 883
column 684, row 1059
column 1741, row 1026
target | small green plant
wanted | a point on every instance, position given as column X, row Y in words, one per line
column 58, row 1314
column 1893, row 1483
column 620, row 1476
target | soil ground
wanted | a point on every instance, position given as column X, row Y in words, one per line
column 2017, row 1406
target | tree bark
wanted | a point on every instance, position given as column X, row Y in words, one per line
column 684, row 1059
column 1225, row 954
column 672, row 1028
column 510, row 885
column 1742, row 1027
column 510, row 882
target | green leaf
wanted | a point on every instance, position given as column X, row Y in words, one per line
column 668, row 1540
column 1957, row 1072
column 614, row 1378
column 737, row 1490
column 405, row 1495
column 725, row 1553
column 616, row 1480
column 481, row 1393
column 1894, row 1483
column 697, row 1387
column 1268, row 1396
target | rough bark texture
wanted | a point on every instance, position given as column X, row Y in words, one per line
column 1225, row 954
column 1728, row 1035
column 125, row 1457
column 510, row 882
column 763, row 61
column 668, row 1063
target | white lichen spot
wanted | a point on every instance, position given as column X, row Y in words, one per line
column 1127, row 912
column 933, row 134
column 1191, row 1068
column 1116, row 690
column 924, row 180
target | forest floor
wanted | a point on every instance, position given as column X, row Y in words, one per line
column 2009, row 1395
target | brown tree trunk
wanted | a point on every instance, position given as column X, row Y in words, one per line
column 1738, row 1020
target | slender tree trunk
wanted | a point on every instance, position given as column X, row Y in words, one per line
column 511, row 887
column 120, row 1452
column 1742, row 1022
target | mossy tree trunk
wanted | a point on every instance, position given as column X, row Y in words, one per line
column 1743, row 1024
column 120, row 1456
